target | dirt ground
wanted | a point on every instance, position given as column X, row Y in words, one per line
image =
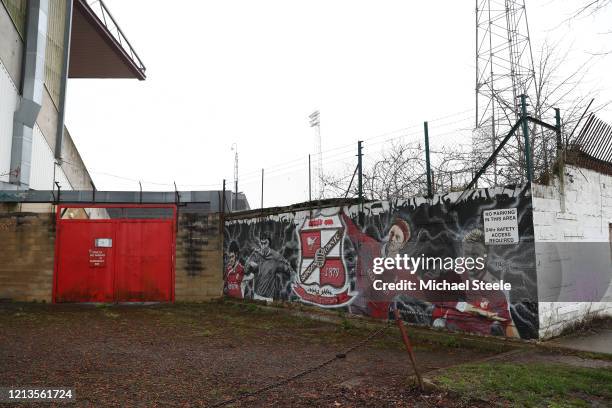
column 201, row 355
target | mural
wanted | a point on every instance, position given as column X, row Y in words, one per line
column 327, row 257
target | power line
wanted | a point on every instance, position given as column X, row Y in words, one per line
column 342, row 153
column 350, row 147
column 137, row 180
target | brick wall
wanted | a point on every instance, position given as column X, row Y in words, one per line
column 27, row 246
column 27, row 249
column 199, row 257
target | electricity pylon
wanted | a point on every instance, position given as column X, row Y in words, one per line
column 504, row 71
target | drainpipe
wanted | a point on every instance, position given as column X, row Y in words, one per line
column 31, row 93
column 62, row 97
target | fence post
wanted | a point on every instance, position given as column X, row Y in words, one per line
column 560, row 147
column 427, row 164
column 309, row 180
column 558, row 126
column 526, row 136
column 360, row 180
column 560, row 160
column 433, row 183
column 360, row 171
column 223, row 201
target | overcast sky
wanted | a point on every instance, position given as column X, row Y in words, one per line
column 250, row 72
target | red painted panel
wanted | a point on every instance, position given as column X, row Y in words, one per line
column 137, row 266
column 86, row 272
column 311, row 241
column 144, row 261
column 332, row 273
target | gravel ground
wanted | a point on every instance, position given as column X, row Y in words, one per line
column 203, row 354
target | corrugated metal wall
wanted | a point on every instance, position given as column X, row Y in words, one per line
column 17, row 9
column 8, row 103
column 55, row 48
column 43, row 161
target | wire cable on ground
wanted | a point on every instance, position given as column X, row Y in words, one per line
column 284, row 381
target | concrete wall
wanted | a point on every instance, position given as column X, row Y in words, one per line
column 26, row 257
column 324, row 256
column 199, row 257
column 573, row 249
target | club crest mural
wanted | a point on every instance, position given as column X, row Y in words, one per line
column 467, row 265
column 323, row 277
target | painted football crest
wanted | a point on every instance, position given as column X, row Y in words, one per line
column 323, row 278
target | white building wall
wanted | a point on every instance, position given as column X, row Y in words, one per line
column 43, row 165
column 9, row 96
column 43, row 161
column 586, row 218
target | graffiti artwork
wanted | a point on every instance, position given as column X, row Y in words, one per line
column 323, row 277
column 459, row 279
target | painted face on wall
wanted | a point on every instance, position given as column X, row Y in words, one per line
column 232, row 254
column 264, row 246
column 231, row 260
column 399, row 234
column 396, row 238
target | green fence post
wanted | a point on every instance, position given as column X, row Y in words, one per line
column 427, row 164
column 526, row 136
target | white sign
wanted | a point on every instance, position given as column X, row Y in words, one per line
column 104, row 242
column 501, row 227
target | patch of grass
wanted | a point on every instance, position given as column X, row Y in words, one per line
column 251, row 308
column 102, row 305
column 530, row 385
column 593, row 356
column 346, row 324
column 444, row 339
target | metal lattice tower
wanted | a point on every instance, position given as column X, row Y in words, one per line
column 504, row 69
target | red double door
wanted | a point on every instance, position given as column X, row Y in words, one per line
column 114, row 260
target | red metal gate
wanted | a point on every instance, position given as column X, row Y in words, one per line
column 114, row 258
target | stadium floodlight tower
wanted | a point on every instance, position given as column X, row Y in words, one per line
column 315, row 122
column 235, row 197
column 504, row 71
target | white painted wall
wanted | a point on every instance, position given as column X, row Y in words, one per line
column 585, row 223
column 9, row 96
